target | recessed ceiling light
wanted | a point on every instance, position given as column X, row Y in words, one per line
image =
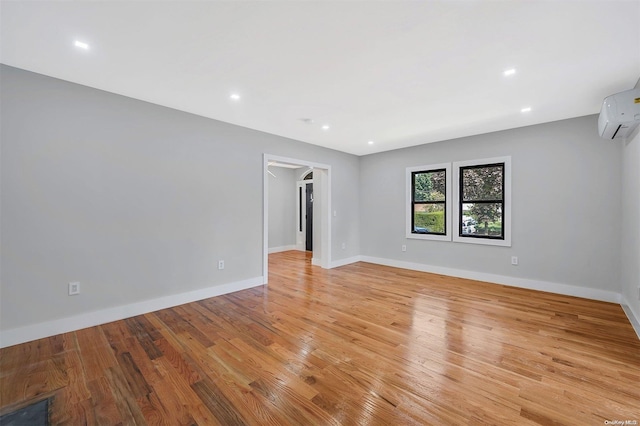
column 527, row 109
column 510, row 71
column 81, row 45
column 370, row 142
column 234, row 97
column 325, row 127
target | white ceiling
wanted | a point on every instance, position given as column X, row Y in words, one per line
column 396, row 73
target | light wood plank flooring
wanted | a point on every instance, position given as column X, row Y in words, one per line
column 360, row 344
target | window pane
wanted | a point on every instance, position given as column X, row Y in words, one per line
column 482, row 183
column 482, row 219
column 429, row 186
column 428, row 219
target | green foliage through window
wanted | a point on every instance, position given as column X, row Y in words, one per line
column 428, row 189
column 482, row 201
column 429, row 186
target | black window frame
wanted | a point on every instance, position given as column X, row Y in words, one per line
column 500, row 201
column 414, row 202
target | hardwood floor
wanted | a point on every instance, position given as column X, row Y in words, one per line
column 360, row 344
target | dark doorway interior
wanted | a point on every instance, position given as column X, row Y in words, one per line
column 309, row 217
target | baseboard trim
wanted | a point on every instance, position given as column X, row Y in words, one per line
column 633, row 316
column 282, row 248
column 569, row 290
column 64, row 325
column 343, row 262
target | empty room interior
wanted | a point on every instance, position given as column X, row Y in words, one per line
column 320, row 213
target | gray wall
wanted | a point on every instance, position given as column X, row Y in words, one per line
column 631, row 223
column 138, row 201
column 134, row 200
column 282, row 207
column 566, row 204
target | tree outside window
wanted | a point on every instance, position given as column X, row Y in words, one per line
column 428, row 189
column 482, row 201
column 428, row 198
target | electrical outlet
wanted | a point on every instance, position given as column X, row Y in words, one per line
column 514, row 260
column 220, row 264
column 404, row 248
column 344, row 246
column 74, row 288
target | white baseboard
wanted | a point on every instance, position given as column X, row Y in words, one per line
column 283, row 248
column 51, row 328
column 569, row 290
column 347, row 261
column 634, row 317
column 64, row 325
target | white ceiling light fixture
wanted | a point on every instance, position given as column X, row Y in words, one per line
column 509, row 72
column 370, row 142
column 81, row 45
column 526, row 109
column 234, row 97
column 325, row 127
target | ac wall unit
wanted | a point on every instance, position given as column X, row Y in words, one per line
column 619, row 115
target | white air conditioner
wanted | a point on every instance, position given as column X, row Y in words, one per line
column 620, row 114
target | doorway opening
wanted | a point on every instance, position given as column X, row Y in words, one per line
column 314, row 195
column 304, row 217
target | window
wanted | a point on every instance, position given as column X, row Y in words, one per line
column 428, row 202
column 483, row 194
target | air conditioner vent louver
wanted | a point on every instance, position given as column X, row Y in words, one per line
column 619, row 115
